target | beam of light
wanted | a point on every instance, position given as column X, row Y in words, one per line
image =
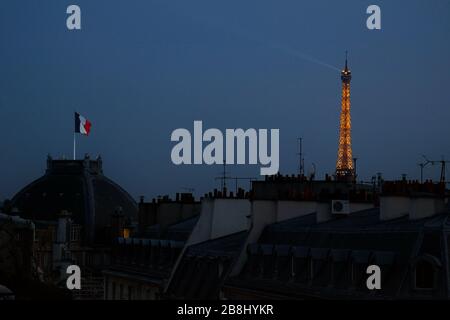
column 298, row 54
column 276, row 46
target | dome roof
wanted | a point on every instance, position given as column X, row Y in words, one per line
column 79, row 187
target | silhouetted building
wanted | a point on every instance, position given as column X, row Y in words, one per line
column 155, row 216
column 79, row 187
column 77, row 213
column 308, row 257
column 19, row 278
column 142, row 262
column 140, row 267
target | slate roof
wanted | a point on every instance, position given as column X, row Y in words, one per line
column 280, row 262
column 205, row 266
column 151, row 259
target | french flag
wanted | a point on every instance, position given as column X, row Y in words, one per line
column 82, row 125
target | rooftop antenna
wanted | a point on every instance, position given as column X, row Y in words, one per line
column 223, row 178
column 301, row 160
column 442, row 162
column 423, row 165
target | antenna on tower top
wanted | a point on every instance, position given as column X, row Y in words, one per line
column 346, row 55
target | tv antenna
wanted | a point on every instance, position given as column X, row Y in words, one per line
column 301, row 160
column 442, row 162
column 223, row 178
column 423, row 165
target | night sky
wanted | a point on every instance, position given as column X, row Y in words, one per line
column 140, row 69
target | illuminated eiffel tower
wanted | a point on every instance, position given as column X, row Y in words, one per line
column 344, row 164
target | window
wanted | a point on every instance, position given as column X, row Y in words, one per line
column 139, row 292
column 89, row 259
column 283, row 267
column 358, row 274
column 311, row 268
column 424, row 274
column 360, row 261
column 219, row 270
column 121, row 292
column 130, row 293
column 113, row 291
column 340, row 269
column 268, row 261
column 292, row 268
column 353, row 276
column 149, row 294
column 75, row 231
column 301, row 264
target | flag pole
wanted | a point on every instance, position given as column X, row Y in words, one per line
column 74, row 146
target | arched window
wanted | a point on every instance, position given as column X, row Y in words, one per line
column 425, row 274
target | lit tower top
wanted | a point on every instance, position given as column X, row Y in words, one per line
column 344, row 164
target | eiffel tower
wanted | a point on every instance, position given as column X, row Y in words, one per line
column 344, row 165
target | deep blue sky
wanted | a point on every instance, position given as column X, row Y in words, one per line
column 140, row 69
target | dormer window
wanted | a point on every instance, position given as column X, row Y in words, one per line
column 311, row 268
column 360, row 262
column 126, row 233
column 426, row 272
column 75, row 233
column 319, row 267
column 219, row 269
column 301, row 264
column 283, row 266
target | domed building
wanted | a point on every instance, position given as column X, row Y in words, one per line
column 78, row 187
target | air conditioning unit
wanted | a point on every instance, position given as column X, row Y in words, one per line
column 340, row 207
